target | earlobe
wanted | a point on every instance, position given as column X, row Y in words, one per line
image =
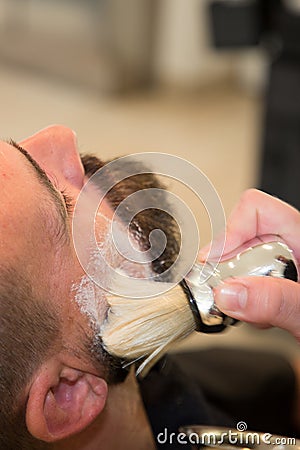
column 67, row 406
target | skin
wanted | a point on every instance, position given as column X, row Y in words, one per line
column 264, row 301
column 68, row 395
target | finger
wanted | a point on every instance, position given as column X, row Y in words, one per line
column 258, row 214
column 214, row 249
column 262, row 300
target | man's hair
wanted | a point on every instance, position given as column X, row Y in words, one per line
column 28, row 329
column 147, row 220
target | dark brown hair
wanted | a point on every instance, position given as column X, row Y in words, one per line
column 147, row 220
column 28, row 329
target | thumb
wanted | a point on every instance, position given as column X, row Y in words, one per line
column 262, row 300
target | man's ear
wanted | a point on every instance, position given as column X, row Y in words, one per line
column 63, row 401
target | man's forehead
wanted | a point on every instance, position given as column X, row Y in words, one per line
column 22, row 223
column 15, row 183
column 10, row 161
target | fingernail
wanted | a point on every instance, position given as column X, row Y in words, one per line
column 231, row 297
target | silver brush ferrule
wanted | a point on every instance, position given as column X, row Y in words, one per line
column 273, row 259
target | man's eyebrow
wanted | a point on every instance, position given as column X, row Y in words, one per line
column 47, row 183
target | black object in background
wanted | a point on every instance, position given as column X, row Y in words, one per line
column 237, row 24
column 280, row 162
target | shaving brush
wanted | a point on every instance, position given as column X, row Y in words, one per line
column 142, row 329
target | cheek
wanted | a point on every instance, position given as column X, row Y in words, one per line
column 90, row 300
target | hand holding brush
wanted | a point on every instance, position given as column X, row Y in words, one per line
column 143, row 329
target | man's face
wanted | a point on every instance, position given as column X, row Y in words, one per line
column 36, row 227
column 62, row 379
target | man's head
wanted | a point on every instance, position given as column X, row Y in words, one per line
column 53, row 371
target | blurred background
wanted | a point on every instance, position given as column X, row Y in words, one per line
column 215, row 82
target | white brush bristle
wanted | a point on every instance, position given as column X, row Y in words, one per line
column 136, row 328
